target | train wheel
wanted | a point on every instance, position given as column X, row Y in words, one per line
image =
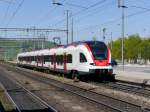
column 113, row 78
column 75, row 76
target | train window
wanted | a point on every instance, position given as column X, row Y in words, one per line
column 38, row 58
column 27, row 58
column 32, row 58
column 82, row 58
column 19, row 58
column 61, row 59
column 47, row 58
column 52, row 59
column 22, row 58
column 69, row 58
column 99, row 50
column 35, row 58
column 57, row 59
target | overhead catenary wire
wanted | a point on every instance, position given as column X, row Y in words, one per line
column 140, row 7
column 15, row 12
column 6, row 1
column 91, row 6
column 114, row 20
column 47, row 14
column 76, row 5
column 110, row 21
column 6, row 13
column 99, row 11
column 81, row 11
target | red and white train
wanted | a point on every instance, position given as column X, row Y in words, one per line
column 79, row 58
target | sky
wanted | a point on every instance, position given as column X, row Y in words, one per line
column 90, row 17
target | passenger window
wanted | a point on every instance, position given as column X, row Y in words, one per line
column 58, row 59
column 61, row 59
column 69, row 58
column 82, row 58
column 52, row 59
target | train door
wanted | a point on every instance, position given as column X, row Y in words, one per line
column 83, row 62
column 54, row 61
column 30, row 60
column 75, row 58
column 37, row 60
column 65, row 63
column 42, row 60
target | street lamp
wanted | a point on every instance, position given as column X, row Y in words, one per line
column 121, row 5
column 67, row 23
column 104, row 31
column 57, row 3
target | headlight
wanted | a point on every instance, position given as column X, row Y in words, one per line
column 92, row 64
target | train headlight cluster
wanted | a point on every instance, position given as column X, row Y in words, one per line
column 92, row 64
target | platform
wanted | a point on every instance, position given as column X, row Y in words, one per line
column 138, row 77
column 132, row 73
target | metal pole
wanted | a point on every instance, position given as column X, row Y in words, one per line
column 111, row 41
column 42, row 43
column 123, row 35
column 104, row 30
column 67, row 25
column 34, row 37
column 72, row 31
column 121, row 4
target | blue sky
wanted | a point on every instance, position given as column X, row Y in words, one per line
column 88, row 22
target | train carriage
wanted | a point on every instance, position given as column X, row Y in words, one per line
column 78, row 59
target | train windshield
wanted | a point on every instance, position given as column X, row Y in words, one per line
column 99, row 50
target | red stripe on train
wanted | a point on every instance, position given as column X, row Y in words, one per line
column 89, row 50
column 98, row 62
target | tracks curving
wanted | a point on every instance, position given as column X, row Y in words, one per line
column 23, row 99
column 106, row 102
column 129, row 87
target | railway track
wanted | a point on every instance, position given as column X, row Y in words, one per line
column 106, row 102
column 23, row 99
column 129, row 87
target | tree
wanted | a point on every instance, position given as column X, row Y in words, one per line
column 116, row 51
column 145, row 49
column 132, row 47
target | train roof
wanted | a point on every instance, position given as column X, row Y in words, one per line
column 82, row 42
column 46, row 51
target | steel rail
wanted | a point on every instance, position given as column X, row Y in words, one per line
column 52, row 109
column 102, row 103
column 38, row 99
column 90, row 99
column 127, row 87
column 10, row 99
column 21, row 70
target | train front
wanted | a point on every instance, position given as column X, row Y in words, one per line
column 101, row 57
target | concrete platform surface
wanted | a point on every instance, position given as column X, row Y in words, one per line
column 132, row 76
column 132, row 72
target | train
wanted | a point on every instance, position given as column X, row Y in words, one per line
column 84, row 58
